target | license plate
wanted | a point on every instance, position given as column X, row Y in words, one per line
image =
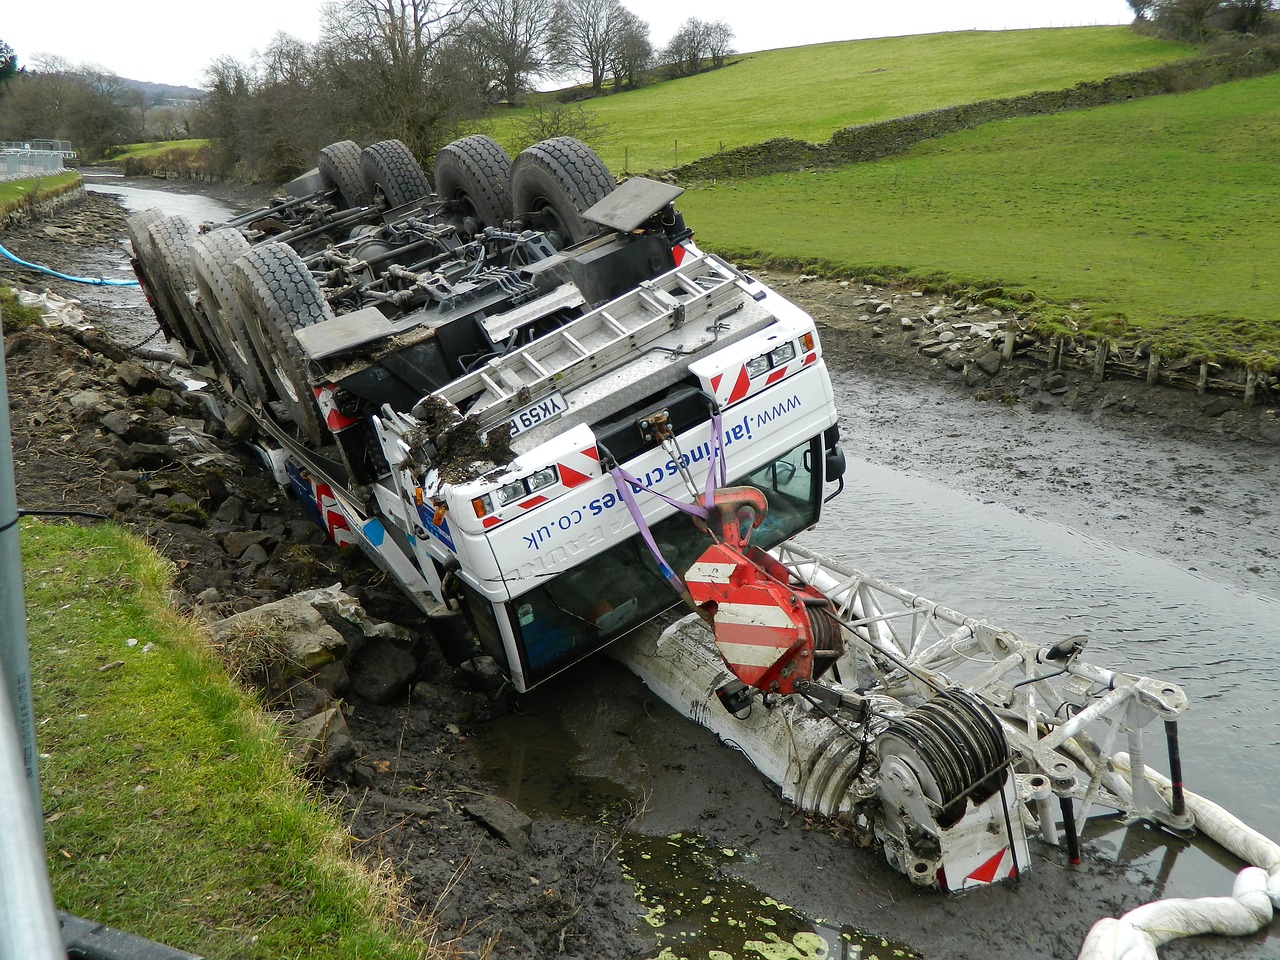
column 543, row 411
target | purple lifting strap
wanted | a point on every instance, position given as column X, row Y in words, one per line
column 626, row 484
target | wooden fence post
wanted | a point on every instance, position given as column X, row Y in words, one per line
column 1055, row 353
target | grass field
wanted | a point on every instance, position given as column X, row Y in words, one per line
column 170, row 812
column 810, row 92
column 1157, row 216
column 140, row 150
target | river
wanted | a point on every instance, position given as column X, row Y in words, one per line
column 1051, row 524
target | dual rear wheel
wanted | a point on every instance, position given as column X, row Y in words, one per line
column 547, row 187
column 554, row 182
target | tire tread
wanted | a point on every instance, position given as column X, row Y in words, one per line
column 389, row 166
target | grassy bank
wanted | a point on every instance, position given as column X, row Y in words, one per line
column 160, row 148
column 16, row 194
column 185, row 158
column 170, row 810
column 810, row 92
column 1156, row 217
column 13, row 315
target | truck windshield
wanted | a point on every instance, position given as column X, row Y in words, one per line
column 619, row 589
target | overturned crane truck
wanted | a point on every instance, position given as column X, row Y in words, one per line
column 550, row 418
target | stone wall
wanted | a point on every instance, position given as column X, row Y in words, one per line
column 41, row 205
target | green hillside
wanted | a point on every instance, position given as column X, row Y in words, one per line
column 810, row 92
column 1157, row 216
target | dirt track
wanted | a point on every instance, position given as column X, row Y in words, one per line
column 565, row 895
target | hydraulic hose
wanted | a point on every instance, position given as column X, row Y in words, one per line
column 92, row 281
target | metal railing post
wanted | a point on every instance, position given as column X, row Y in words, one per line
column 28, row 921
column 14, row 656
column 29, row 928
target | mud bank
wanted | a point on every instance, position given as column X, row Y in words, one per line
column 411, row 796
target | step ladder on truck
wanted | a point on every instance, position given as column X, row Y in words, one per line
column 551, row 419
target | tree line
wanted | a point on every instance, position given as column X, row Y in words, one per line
column 1198, row 20
column 420, row 71
column 417, row 70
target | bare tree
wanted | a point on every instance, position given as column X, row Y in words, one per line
column 86, row 105
column 632, row 53
column 286, row 60
column 1248, row 16
column 402, row 33
column 166, row 123
column 287, row 117
column 559, row 120
column 1186, row 19
column 685, row 51
column 510, row 37
column 583, row 35
column 719, row 39
column 384, row 69
column 223, row 114
column 100, row 115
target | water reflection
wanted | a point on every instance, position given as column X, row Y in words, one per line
column 195, row 208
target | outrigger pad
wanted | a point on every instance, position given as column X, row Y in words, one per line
column 631, row 204
column 349, row 331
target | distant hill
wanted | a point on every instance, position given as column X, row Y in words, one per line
column 158, row 93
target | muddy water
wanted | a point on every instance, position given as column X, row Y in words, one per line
column 1143, row 614
column 1161, row 576
column 195, row 208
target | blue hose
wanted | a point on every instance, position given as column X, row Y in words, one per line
column 97, row 282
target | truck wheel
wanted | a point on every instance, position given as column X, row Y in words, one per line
column 144, row 259
column 211, row 258
column 389, row 168
column 472, row 173
column 170, row 242
column 340, row 167
column 136, row 224
column 553, row 182
column 279, row 295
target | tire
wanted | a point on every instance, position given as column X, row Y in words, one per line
column 278, row 295
column 389, row 169
column 212, row 256
column 171, row 242
column 340, row 167
column 473, row 174
column 553, row 182
column 137, row 225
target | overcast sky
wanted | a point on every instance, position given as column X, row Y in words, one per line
column 173, row 42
